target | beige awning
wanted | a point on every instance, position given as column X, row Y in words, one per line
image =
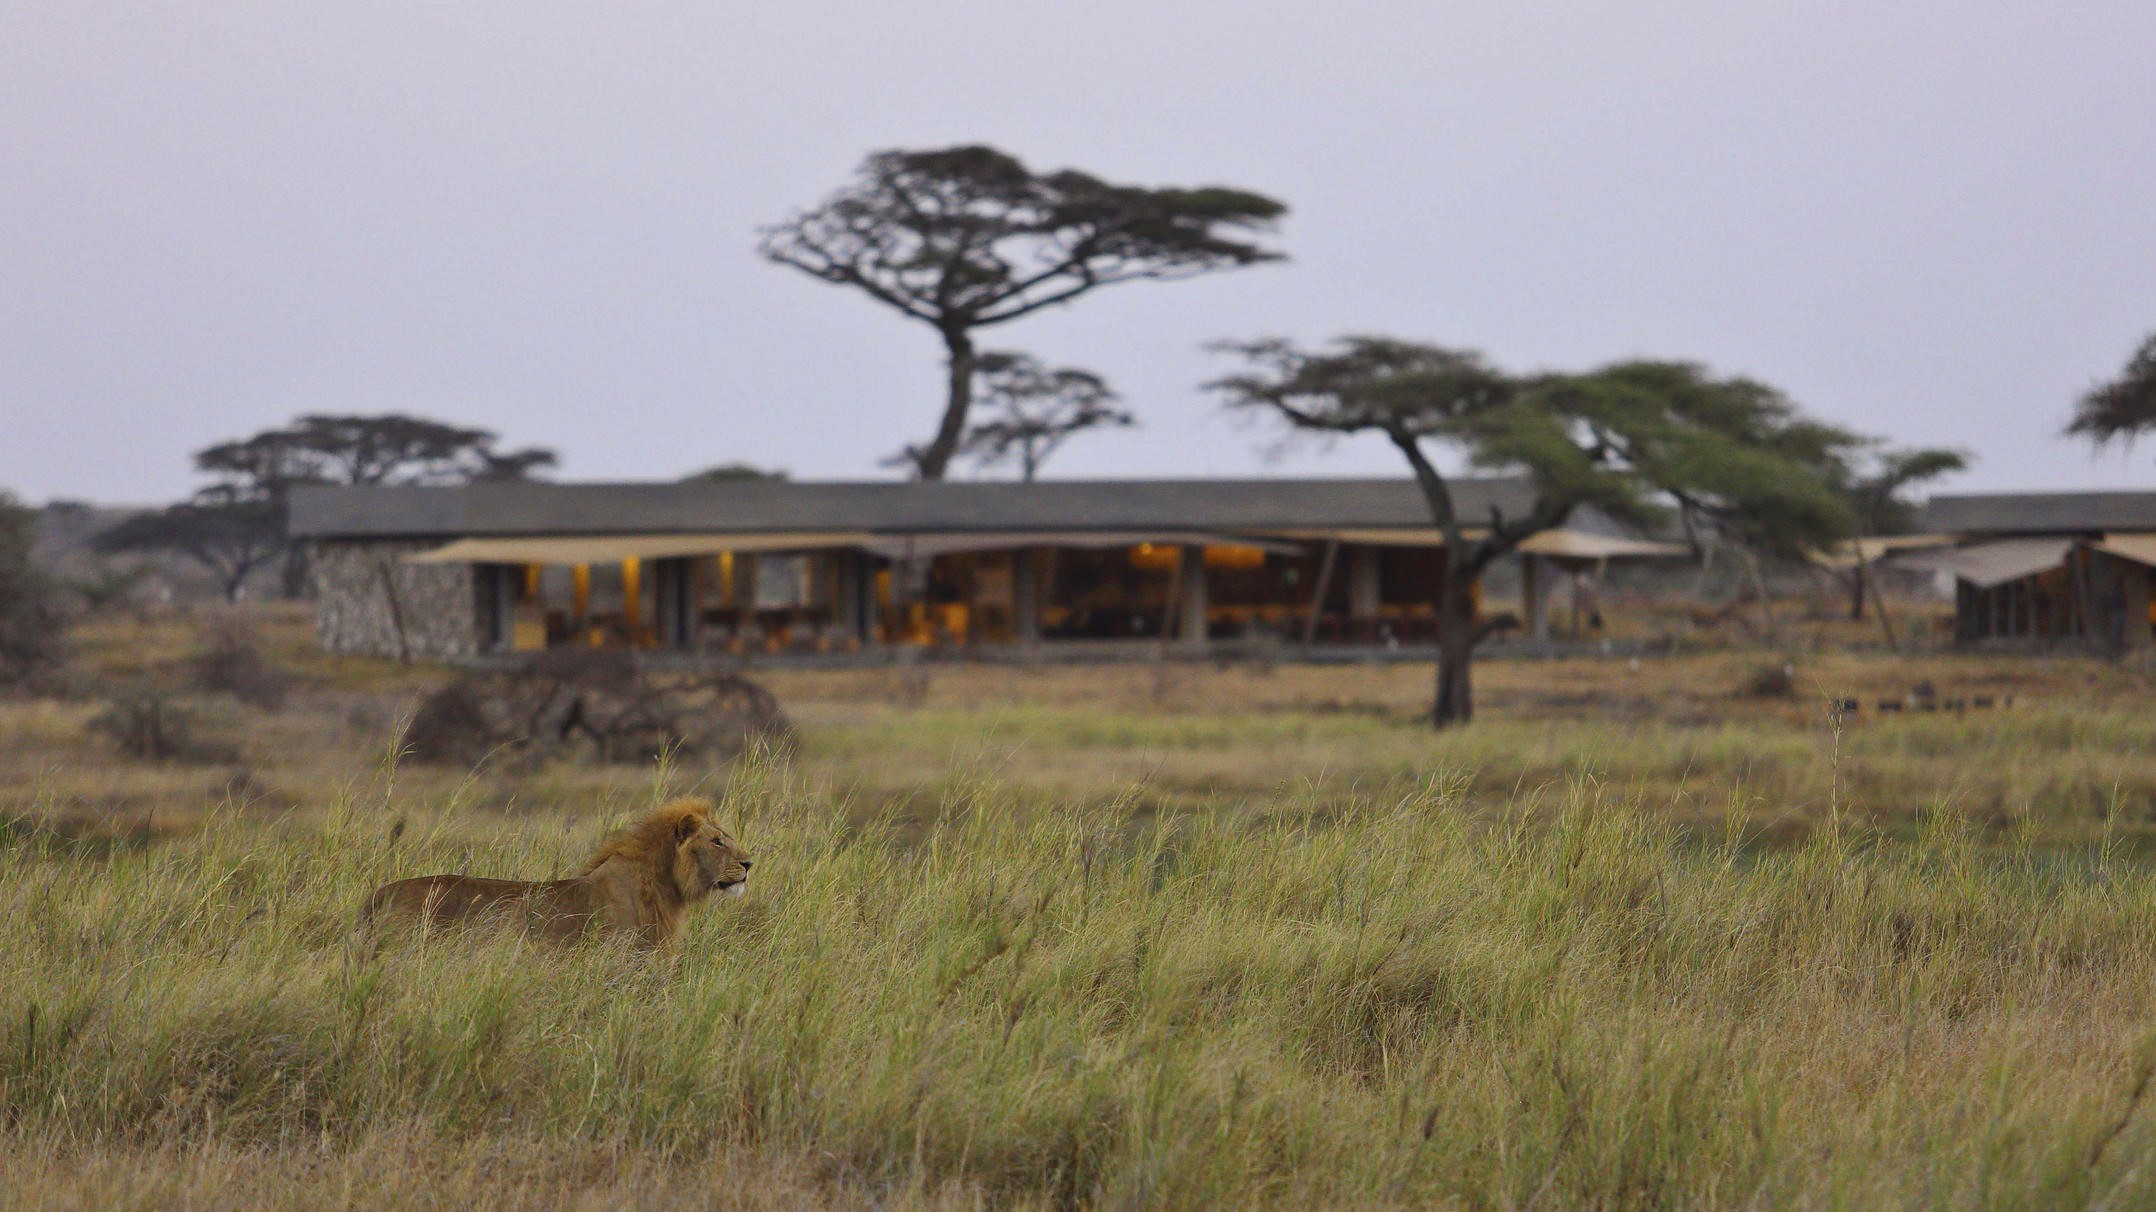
column 1564, row 544
column 614, row 548
column 1583, row 545
column 1874, row 547
column 2139, row 548
column 1985, row 565
column 921, row 546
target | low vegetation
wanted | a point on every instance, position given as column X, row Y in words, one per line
column 1392, row 1002
column 1643, row 938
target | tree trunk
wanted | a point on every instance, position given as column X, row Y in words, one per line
column 1455, row 653
column 298, row 571
column 1856, row 592
column 936, row 458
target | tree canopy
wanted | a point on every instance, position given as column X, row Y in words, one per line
column 1882, row 477
column 2124, row 408
column 390, row 448
column 1645, row 442
column 961, row 238
column 733, row 473
column 237, row 524
column 1031, row 411
column 231, row 536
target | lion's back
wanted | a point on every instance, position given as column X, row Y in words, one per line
column 556, row 906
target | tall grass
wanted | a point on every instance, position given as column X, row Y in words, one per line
column 1381, row 1002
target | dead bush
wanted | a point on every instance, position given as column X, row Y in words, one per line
column 230, row 663
column 1775, row 680
column 146, row 723
column 596, row 705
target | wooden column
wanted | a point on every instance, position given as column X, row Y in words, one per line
column 1534, row 596
column 632, row 599
column 1026, row 595
column 2134, row 580
column 497, row 606
column 1191, row 610
column 1365, row 595
column 846, row 593
column 673, row 603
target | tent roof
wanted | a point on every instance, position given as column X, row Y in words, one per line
column 2031, row 513
column 1985, row 565
column 2139, row 548
column 1868, row 548
column 890, row 507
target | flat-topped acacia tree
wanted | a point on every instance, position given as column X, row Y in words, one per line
column 2124, row 408
column 1642, row 442
column 962, row 238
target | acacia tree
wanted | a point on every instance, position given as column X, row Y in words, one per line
column 1032, row 410
column 237, row 523
column 1877, row 497
column 962, row 238
column 1638, row 441
column 2124, row 408
column 230, row 537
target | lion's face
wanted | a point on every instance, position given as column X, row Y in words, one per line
column 707, row 859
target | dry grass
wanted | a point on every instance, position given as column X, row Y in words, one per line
column 1092, row 937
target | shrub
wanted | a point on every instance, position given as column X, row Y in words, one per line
column 597, row 704
column 1775, row 680
column 146, row 723
column 231, row 663
column 33, row 624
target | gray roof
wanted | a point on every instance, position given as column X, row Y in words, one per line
column 2008, row 513
column 885, row 507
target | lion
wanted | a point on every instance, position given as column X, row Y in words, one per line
column 641, row 882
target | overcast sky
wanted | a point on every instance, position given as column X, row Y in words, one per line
column 1930, row 220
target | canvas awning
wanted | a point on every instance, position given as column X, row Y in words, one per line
column 922, row 546
column 614, row 548
column 1985, row 565
column 1584, row 545
column 1563, row 544
column 2138, row 548
column 1874, row 547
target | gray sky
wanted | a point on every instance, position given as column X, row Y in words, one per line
column 1930, row 220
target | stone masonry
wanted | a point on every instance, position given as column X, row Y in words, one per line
column 364, row 590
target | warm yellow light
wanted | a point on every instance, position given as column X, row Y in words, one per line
column 1155, row 557
column 1234, row 555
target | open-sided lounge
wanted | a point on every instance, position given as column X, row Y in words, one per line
column 838, row 567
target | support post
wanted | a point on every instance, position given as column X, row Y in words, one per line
column 1534, row 596
column 1365, row 598
column 2134, row 580
column 1190, row 624
column 846, row 593
column 1318, row 590
column 1026, row 596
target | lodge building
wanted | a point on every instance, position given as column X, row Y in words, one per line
column 2042, row 569
column 783, row 567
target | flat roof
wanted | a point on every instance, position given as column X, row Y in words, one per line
column 2034, row 513
column 887, row 507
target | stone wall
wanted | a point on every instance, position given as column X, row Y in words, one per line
column 438, row 604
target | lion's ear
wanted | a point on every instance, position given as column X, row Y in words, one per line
column 685, row 828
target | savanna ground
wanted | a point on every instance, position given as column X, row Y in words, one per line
column 1649, row 935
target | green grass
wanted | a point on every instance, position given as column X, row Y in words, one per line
column 1387, row 997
